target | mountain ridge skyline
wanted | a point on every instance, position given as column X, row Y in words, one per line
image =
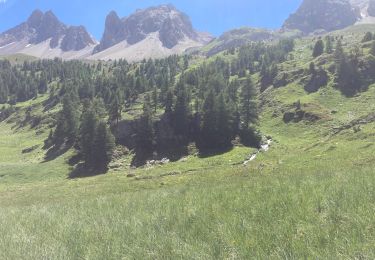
column 160, row 31
column 251, row 14
column 154, row 32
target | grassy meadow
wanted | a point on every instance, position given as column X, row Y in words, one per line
column 311, row 196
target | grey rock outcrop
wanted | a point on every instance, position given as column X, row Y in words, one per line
column 41, row 27
column 171, row 25
column 327, row 15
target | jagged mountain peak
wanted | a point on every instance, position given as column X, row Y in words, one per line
column 35, row 18
column 113, row 15
column 44, row 35
column 171, row 26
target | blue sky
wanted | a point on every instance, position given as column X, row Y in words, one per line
column 214, row 16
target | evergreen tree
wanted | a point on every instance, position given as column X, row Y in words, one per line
column 169, row 102
column 267, row 76
column 145, row 131
column 328, row 45
column 99, row 108
column 368, row 37
column 155, row 98
column 248, row 105
column 181, row 111
column 59, row 133
column 318, row 48
column 348, row 78
column 103, row 146
column 4, row 92
column 43, row 85
column 318, row 78
column 115, row 111
column 71, row 115
column 68, row 121
column 339, row 54
column 232, row 90
column 88, row 135
column 208, row 127
column 217, row 129
column 224, row 128
column 372, row 50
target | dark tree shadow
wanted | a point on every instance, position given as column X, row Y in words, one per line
column 206, row 153
column 82, row 171
column 75, row 159
column 141, row 157
column 172, row 153
column 56, row 151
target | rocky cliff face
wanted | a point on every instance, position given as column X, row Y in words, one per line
column 171, row 26
column 327, row 15
column 41, row 27
column 76, row 38
column 112, row 35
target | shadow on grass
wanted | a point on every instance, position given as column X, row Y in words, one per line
column 173, row 154
column 140, row 158
column 56, row 151
column 81, row 171
column 206, row 153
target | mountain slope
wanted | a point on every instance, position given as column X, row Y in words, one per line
column 365, row 11
column 44, row 36
column 164, row 29
column 239, row 37
column 327, row 15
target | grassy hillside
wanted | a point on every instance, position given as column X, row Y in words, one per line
column 18, row 58
column 310, row 196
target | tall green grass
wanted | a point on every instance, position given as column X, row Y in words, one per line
column 237, row 215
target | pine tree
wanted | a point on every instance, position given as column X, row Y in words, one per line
column 99, row 108
column 115, row 111
column 181, row 111
column 43, row 85
column 59, row 133
column 145, row 130
column 328, row 45
column 368, row 37
column 4, row 92
column 68, row 121
column 208, row 126
column 155, row 98
column 168, row 106
column 224, row 128
column 372, row 50
column 248, row 107
column 87, row 135
column 217, row 128
column 339, row 54
column 232, row 90
column 318, row 48
column 71, row 117
column 103, row 146
column 348, row 78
